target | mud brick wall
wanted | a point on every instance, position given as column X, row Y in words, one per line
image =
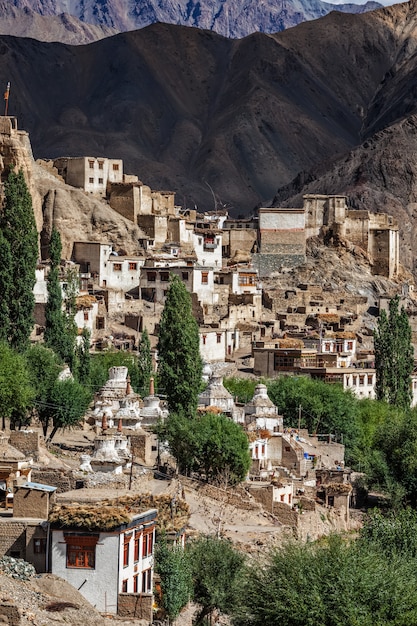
column 135, row 605
column 285, row 514
column 12, row 538
column 26, row 441
column 54, row 478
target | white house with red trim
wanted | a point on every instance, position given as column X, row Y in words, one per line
column 104, row 564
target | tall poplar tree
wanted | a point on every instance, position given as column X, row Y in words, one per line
column 394, row 359
column 17, row 223
column 5, row 285
column 180, row 365
column 54, row 318
column 144, row 363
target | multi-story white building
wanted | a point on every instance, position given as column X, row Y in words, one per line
column 104, row 564
column 90, row 173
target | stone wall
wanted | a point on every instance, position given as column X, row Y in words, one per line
column 285, row 514
column 135, row 605
column 54, row 478
column 17, row 539
column 27, row 441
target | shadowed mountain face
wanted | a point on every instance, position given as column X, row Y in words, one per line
column 231, row 18
column 191, row 111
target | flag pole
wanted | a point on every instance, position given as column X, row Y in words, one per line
column 6, row 99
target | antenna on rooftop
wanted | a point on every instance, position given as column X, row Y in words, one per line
column 6, row 99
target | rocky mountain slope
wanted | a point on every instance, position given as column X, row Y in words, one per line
column 26, row 22
column 226, row 17
column 187, row 109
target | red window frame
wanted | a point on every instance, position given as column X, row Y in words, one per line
column 126, row 543
column 81, row 552
column 147, row 544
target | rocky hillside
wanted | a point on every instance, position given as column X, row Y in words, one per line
column 27, row 22
column 231, row 18
column 187, row 109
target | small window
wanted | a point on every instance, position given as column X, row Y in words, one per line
column 91, row 180
column 126, row 544
column 147, row 581
column 86, row 316
column 282, row 497
column 164, row 277
column 361, row 380
column 136, row 546
column 185, row 275
column 151, row 276
column 117, row 267
column 91, row 165
column 370, row 379
column 204, row 340
column 100, row 181
column 100, row 165
column 133, row 266
column 147, row 544
column 204, row 278
column 100, row 323
column 124, row 586
column 115, row 167
column 218, row 337
column 39, row 545
column 136, row 583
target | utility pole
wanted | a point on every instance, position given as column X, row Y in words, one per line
column 299, row 417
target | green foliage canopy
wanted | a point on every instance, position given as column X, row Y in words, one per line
column 180, row 365
column 394, row 358
column 173, row 567
column 18, row 226
column 16, row 389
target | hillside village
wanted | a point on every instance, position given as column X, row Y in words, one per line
column 265, row 306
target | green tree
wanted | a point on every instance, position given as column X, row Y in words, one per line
column 72, row 285
column 17, row 223
column 16, row 390
column 54, row 335
column 84, row 358
column 67, row 403
column 144, row 363
column 241, row 388
column 393, row 356
column 180, row 365
column 44, row 368
column 6, row 278
column 211, row 445
column 317, row 406
column 331, row 583
column 103, row 361
column 216, row 568
column 173, row 567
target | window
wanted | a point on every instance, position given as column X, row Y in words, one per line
column 133, row 266
column 147, row 544
column 361, row 379
column 350, row 345
column 370, row 379
column 136, row 583
column 39, row 545
column 115, row 167
column 100, row 323
column 218, row 337
column 86, row 316
column 126, row 544
column 204, row 278
column 91, row 165
column 282, row 497
column 117, row 267
column 100, row 165
column 204, row 340
column 151, row 276
column 247, row 279
column 91, row 180
column 164, row 277
column 124, row 586
column 185, row 275
column 147, row 581
column 136, row 546
column 81, row 551
column 100, row 181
